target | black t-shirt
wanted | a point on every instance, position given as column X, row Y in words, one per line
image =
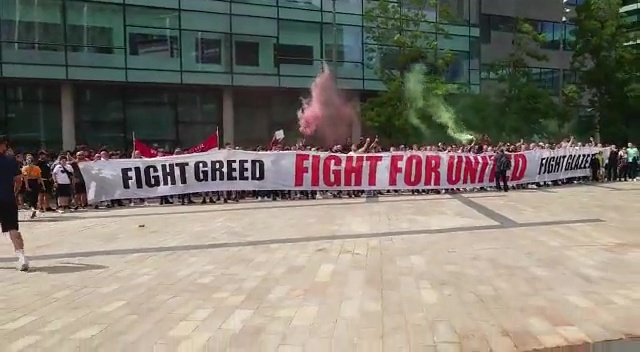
column 44, row 168
column 76, row 172
column 9, row 169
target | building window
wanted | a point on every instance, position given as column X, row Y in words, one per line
column 554, row 33
column 208, row 51
column 291, row 54
column 247, row 53
column 90, row 39
column 33, row 118
column 158, row 45
column 151, row 113
column 328, row 52
column 389, row 58
column 570, row 77
column 26, row 35
column 500, row 23
column 569, row 36
column 100, row 116
column 546, row 78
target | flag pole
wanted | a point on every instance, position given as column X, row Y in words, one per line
column 217, row 137
column 133, row 141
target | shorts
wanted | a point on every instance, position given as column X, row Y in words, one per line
column 47, row 186
column 80, row 188
column 63, row 191
column 9, row 216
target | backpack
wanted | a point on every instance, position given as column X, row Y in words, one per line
column 504, row 163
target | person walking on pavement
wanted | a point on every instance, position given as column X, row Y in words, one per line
column 10, row 183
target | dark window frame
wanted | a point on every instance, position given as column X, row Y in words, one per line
column 201, row 52
column 285, row 54
column 133, row 43
column 252, row 60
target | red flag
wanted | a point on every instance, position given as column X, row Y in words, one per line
column 144, row 150
column 210, row 143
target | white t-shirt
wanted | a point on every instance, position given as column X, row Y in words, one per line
column 62, row 177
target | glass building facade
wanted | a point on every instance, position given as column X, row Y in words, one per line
column 631, row 11
column 172, row 71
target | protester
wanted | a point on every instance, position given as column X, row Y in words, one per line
column 62, row 178
column 47, row 183
column 632, row 161
column 611, row 167
column 503, row 165
column 32, row 178
column 79, row 186
column 184, row 198
column 10, row 183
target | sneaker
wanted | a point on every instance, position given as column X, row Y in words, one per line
column 33, row 214
column 23, row 263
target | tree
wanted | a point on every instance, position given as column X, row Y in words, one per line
column 403, row 35
column 608, row 68
column 526, row 110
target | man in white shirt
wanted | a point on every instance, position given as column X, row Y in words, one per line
column 62, row 177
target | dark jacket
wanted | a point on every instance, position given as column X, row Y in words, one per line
column 503, row 163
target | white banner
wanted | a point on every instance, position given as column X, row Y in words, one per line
column 240, row 170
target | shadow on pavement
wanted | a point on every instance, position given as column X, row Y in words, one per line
column 254, row 205
column 52, row 219
column 63, row 268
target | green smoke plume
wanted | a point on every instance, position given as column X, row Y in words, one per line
column 413, row 93
column 419, row 101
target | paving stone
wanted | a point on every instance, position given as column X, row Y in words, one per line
column 424, row 273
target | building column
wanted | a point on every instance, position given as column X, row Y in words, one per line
column 227, row 115
column 68, row 117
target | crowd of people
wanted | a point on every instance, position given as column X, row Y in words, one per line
column 53, row 182
column 44, row 181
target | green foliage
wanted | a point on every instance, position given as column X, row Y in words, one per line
column 401, row 35
column 384, row 114
column 609, row 69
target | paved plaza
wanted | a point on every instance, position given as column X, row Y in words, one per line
column 446, row 273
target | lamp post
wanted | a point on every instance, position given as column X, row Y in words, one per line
column 563, row 36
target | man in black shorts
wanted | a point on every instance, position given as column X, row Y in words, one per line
column 45, row 191
column 79, row 187
column 10, row 182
